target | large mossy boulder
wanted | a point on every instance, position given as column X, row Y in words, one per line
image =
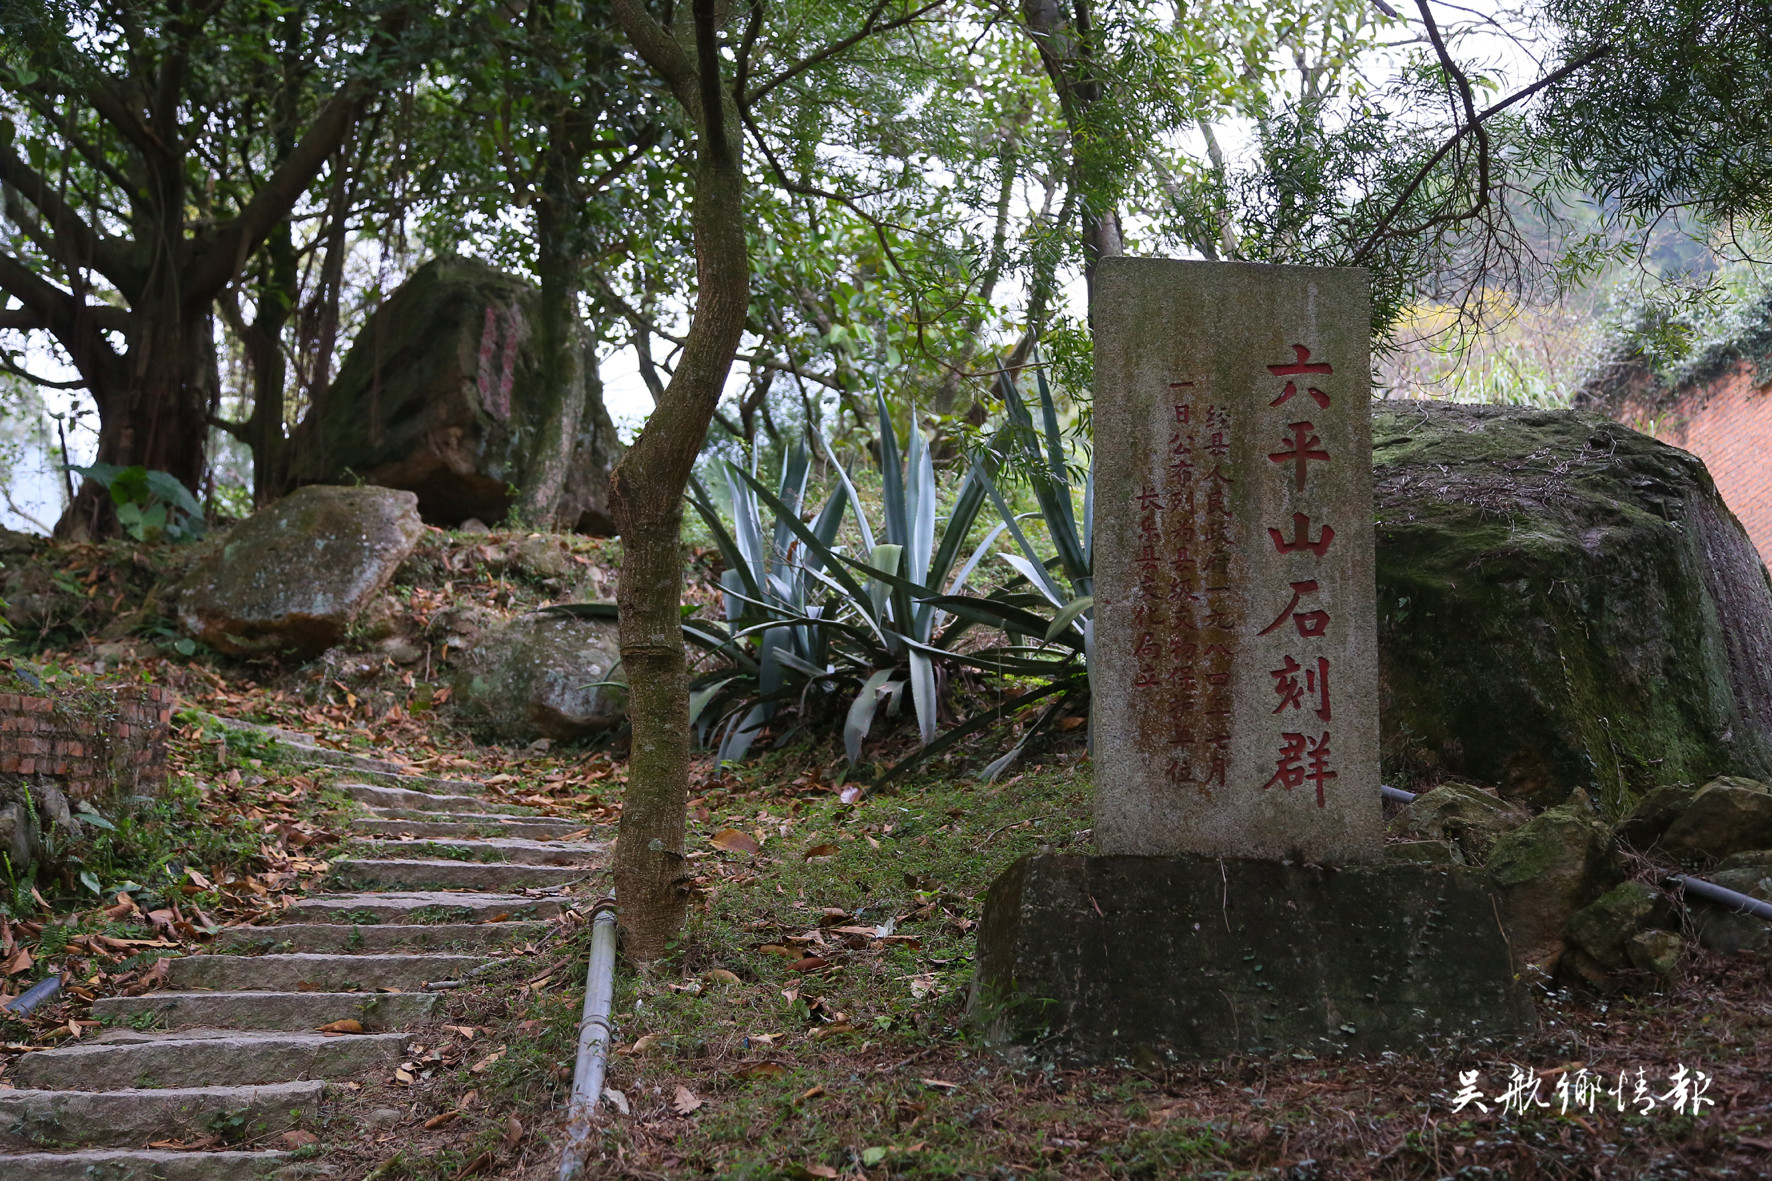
column 440, row 395
column 295, row 575
column 1563, row 603
column 542, row 676
column 1463, row 817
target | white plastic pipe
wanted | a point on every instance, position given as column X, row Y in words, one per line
column 593, row 1040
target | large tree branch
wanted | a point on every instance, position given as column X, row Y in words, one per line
column 660, row 51
column 67, row 237
column 76, row 324
column 225, row 248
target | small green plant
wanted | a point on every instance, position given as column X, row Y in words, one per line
column 150, row 505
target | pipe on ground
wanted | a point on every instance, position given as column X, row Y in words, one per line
column 33, row 996
column 593, row 1040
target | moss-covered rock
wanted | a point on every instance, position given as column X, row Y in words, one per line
column 1546, row 870
column 1467, row 817
column 1563, row 603
column 1727, row 815
column 440, row 395
column 542, row 676
column 295, row 575
column 1604, row 927
column 1654, row 813
column 1655, row 952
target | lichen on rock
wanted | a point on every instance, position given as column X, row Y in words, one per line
column 1563, row 603
column 542, row 676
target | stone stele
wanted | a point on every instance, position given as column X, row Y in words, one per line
column 1236, row 660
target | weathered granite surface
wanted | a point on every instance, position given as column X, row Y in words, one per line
column 1094, row 958
column 294, row 575
column 1236, row 662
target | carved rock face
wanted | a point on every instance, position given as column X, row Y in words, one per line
column 296, row 574
column 441, row 394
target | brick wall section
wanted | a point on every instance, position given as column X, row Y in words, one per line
column 108, row 741
column 1728, row 424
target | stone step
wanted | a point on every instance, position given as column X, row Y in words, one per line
column 382, row 796
column 316, row 972
column 140, row 1164
column 268, row 1010
column 296, row 747
column 507, row 850
column 420, row 907
column 338, row 937
column 133, row 1117
column 394, row 874
column 404, row 822
column 202, row 1058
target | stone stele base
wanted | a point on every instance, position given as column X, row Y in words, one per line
column 1097, row 958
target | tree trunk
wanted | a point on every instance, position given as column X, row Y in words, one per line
column 160, row 419
column 563, row 387
column 646, row 494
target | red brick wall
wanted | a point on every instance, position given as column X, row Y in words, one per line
column 1727, row 424
column 110, row 740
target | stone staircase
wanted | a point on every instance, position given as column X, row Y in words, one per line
column 440, row 879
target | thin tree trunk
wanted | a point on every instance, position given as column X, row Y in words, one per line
column 646, row 492
column 555, row 427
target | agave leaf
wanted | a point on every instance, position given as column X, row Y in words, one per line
column 1036, row 575
column 795, row 467
column 736, row 742
column 836, row 572
column 967, row 503
column 984, row 547
column 861, row 713
column 923, row 693
column 1043, row 579
column 892, row 494
column 1068, row 615
column 861, row 519
column 884, row 560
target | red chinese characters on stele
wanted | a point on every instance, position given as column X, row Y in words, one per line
column 1302, row 682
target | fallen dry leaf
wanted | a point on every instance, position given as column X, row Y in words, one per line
column 487, row 1061
column 778, row 949
column 513, row 1132
column 841, row 1027
column 20, row 962
column 809, row 964
column 721, row 975
column 810, row 1093
column 760, row 1070
column 404, row 1076
column 684, row 1101
column 818, row 851
column 642, row 1043
column 940, row 1084
column 299, row 1138
column 824, row 1172
column 438, row 1121
column 476, row 1166
column 346, row 1026
column 734, row 841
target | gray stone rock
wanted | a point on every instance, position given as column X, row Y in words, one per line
column 1728, row 931
column 1544, row 871
column 305, row 971
column 415, row 874
column 268, row 1010
column 1097, row 958
column 1604, row 927
column 1751, row 859
column 1727, row 815
column 1655, row 952
column 539, row 676
column 1467, row 816
column 385, row 1117
column 296, row 574
column 143, row 1164
column 419, row 906
column 120, row 1118
column 1649, row 819
column 238, row 1059
column 1563, row 603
